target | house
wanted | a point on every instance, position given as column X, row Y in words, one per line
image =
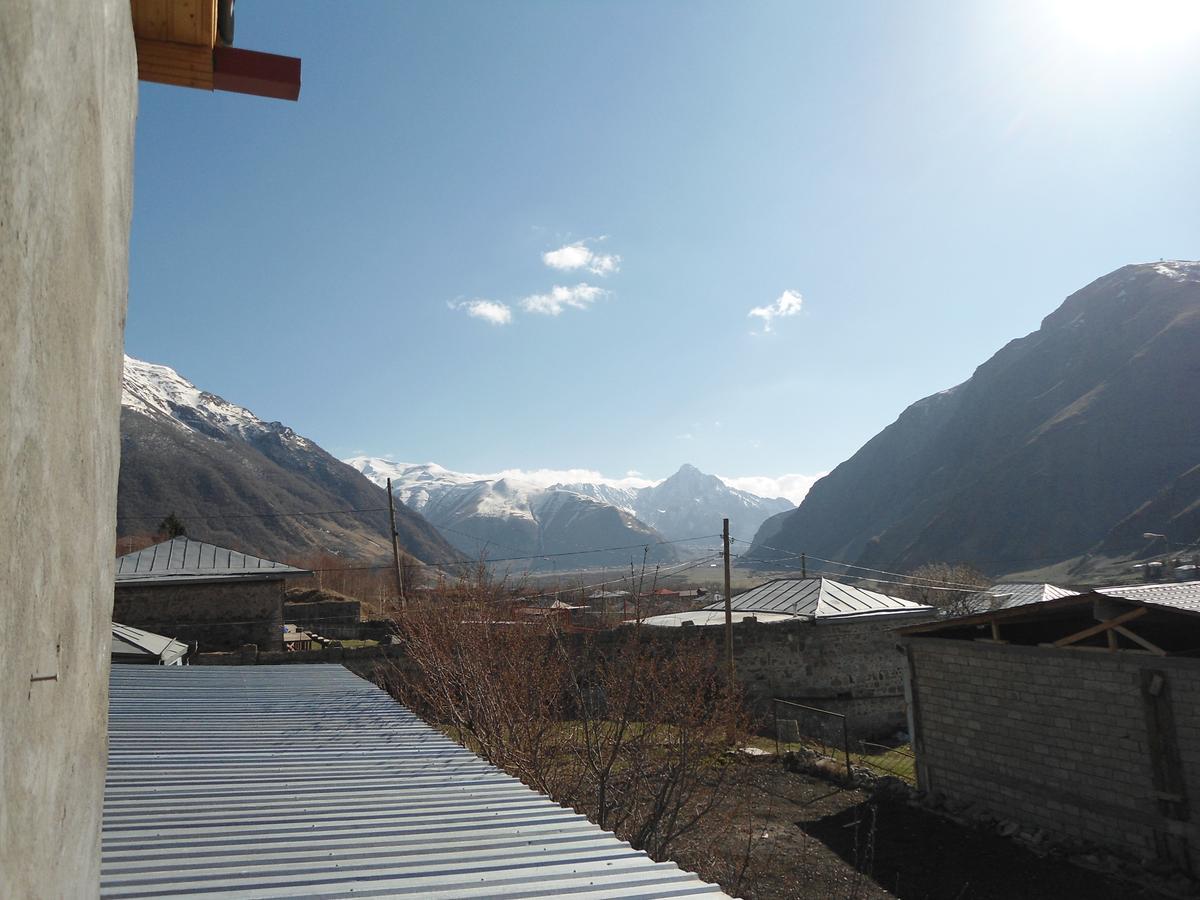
column 133, row 645
column 1078, row 717
column 219, row 598
column 306, row 780
column 1015, row 593
column 814, row 641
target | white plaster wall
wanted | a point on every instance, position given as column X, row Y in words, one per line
column 68, row 99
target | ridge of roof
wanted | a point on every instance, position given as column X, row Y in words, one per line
column 185, row 558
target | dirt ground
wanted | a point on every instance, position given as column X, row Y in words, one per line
column 788, row 835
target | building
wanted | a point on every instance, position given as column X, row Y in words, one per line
column 1007, row 594
column 814, row 641
column 194, row 591
column 284, row 781
column 1078, row 717
column 133, row 645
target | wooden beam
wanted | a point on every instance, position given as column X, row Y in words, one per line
column 1138, row 639
column 1102, row 627
column 251, row 72
column 165, row 62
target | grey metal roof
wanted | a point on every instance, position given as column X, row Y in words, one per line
column 1008, row 594
column 306, row 781
column 130, row 641
column 1183, row 595
column 185, row 559
column 820, row 598
column 706, row 617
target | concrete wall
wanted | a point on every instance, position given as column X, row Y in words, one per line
column 1058, row 740
column 322, row 614
column 218, row 615
column 68, row 98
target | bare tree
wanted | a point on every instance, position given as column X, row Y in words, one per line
column 950, row 587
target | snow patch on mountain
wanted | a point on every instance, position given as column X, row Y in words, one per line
column 161, row 392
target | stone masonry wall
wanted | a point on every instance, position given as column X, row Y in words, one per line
column 1056, row 739
column 219, row 615
column 68, row 100
column 853, row 668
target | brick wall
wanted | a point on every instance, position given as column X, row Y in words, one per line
column 219, row 615
column 1056, row 739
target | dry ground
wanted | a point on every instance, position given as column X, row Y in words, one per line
column 787, row 835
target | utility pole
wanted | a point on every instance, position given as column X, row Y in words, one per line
column 728, row 608
column 395, row 547
column 803, row 565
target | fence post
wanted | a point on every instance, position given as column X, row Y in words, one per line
column 846, row 749
column 775, row 711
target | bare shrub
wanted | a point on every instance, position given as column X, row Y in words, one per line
column 628, row 730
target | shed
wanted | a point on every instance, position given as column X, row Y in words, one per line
column 306, row 781
column 133, row 645
column 196, row 591
column 1075, row 716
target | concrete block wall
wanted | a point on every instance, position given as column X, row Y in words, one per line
column 220, row 615
column 68, row 100
column 1053, row 738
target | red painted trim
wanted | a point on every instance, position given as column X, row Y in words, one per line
column 251, row 72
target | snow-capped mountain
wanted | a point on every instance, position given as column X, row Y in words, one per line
column 504, row 517
column 504, row 512
column 188, row 451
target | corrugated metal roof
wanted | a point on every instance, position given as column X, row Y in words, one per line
column 130, row 641
column 184, row 558
column 820, row 598
column 306, row 781
column 1183, row 595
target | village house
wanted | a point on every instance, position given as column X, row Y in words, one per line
column 814, row 641
column 1076, row 719
column 192, row 591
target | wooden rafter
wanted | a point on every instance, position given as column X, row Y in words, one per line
column 1101, row 627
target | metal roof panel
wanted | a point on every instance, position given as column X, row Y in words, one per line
column 305, row 780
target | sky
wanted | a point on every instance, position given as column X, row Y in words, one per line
column 621, row 236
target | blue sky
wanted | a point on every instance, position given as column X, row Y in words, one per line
column 906, row 186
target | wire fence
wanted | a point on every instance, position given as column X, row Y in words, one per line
column 828, row 734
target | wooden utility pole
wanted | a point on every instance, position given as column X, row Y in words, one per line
column 395, row 546
column 728, row 608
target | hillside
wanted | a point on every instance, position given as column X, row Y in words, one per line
column 1069, row 441
column 193, row 453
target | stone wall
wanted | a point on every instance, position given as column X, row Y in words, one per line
column 855, row 668
column 68, row 99
column 322, row 614
column 1062, row 740
column 218, row 615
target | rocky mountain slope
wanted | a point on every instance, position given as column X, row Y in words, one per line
column 507, row 516
column 1069, row 441
column 187, row 451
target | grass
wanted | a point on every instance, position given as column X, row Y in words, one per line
column 897, row 761
column 355, row 644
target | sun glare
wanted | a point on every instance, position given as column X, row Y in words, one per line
column 1138, row 26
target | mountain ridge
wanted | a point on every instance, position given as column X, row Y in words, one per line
column 191, row 452
column 1038, row 455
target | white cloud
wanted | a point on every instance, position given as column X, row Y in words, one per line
column 789, row 303
column 581, row 296
column 580, row 256
column 794, row 487
column 488, row 310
